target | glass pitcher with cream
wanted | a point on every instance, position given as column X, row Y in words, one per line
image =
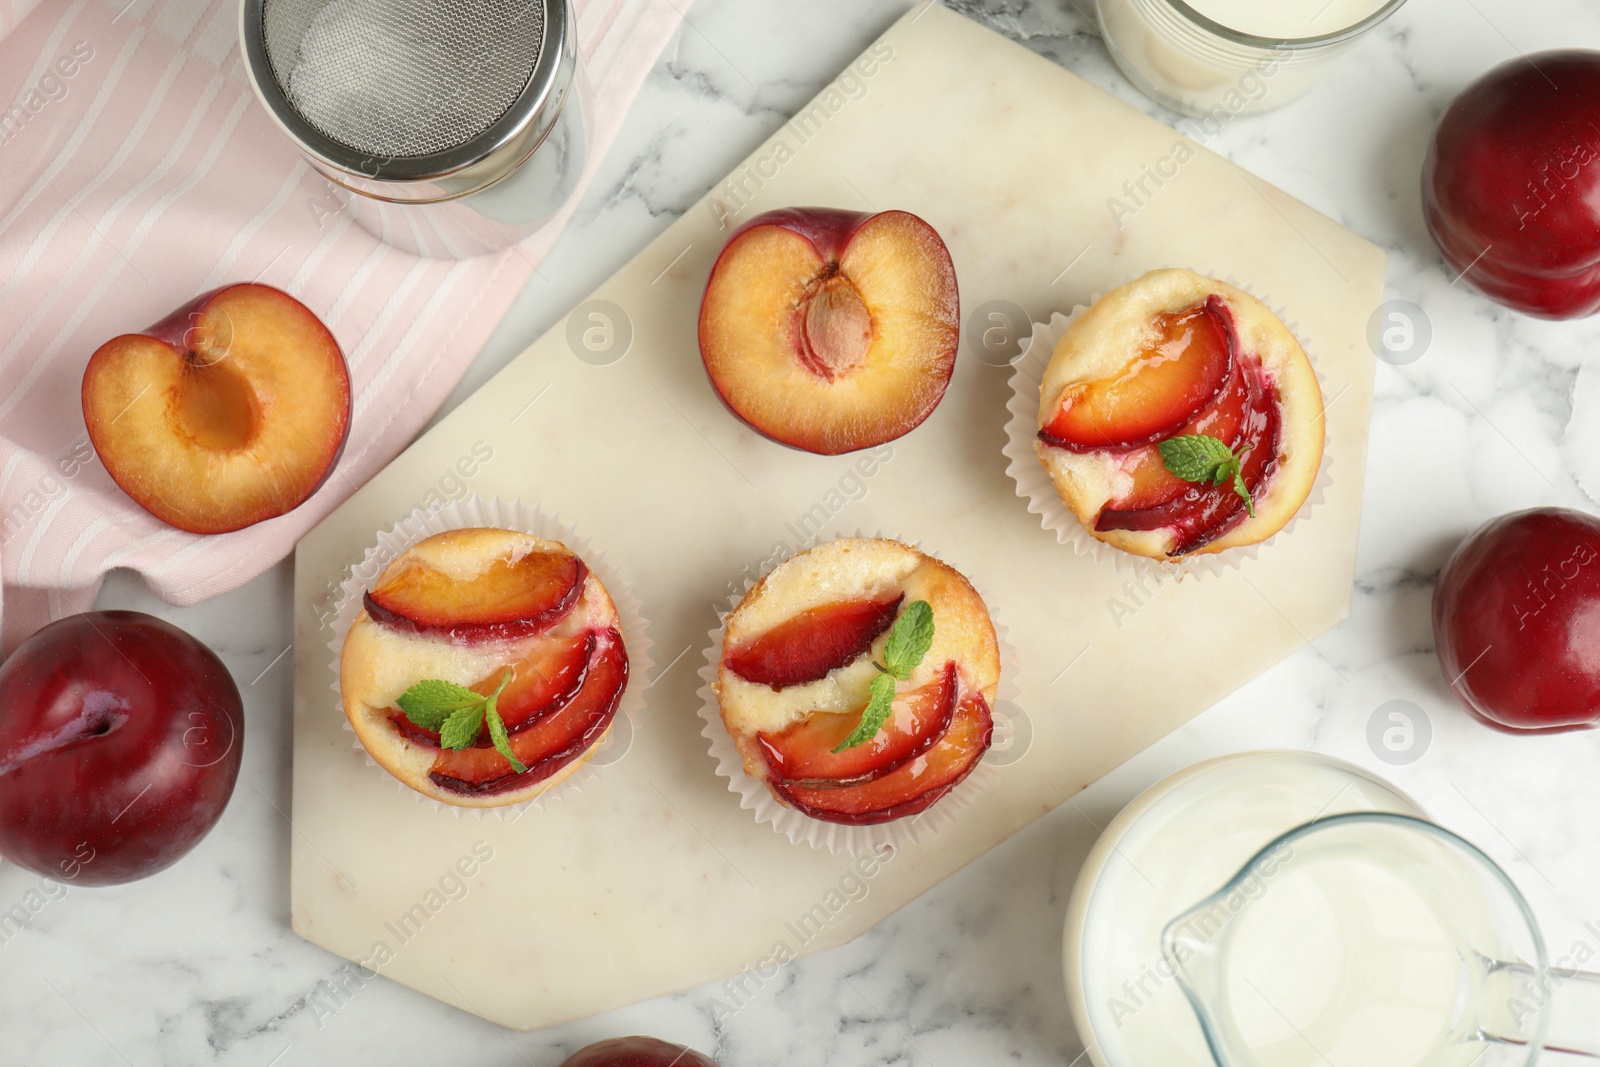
column 1373, row 939
column 1286, row 909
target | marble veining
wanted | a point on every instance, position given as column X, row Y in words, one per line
column 199, row 966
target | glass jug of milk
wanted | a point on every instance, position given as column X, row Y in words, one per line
column 1376, row 939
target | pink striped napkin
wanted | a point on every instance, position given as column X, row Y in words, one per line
column 137, row 170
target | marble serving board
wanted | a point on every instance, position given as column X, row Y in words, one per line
column 652, row 878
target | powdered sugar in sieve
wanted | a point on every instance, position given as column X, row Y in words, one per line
column 398, row 78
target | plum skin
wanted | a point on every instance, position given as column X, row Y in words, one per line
column 1516, row 621
column 1511, row 184
column 121, row 738
column 637, row 1052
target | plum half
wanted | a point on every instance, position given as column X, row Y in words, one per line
column 831, row 330
column 230, row 411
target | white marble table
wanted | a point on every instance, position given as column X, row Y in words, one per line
column 199, row 966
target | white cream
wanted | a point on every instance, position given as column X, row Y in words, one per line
column 1178, row 63
column 1286, row 19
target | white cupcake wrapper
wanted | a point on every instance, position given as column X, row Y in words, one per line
column 503, row 514
column 1034, row 485
column 834, row 837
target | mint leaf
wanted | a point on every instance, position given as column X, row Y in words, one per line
column 876, row 714
column 1204, row 460
column 462, row 728
column 428, row 704
column 1199, row 458
column 910, row 639
column 497, row 726
column 908, row 643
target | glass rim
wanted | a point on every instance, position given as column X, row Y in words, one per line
column 1239, row 37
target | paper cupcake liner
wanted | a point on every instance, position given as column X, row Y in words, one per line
column 836, row 838
column 502, row 514
column 1033, row 482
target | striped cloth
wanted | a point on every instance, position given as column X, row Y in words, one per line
column 137, row 170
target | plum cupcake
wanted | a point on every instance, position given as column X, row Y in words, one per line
column 1178, row 417
column 484, row 666
column 857, row 681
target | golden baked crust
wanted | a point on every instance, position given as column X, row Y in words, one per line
column 378, row 663
column 852, row 568
column 1099, row 343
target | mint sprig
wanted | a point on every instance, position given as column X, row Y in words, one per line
column 430, row 703
column 1205, row 460
column 909, row 641
column 458, row 714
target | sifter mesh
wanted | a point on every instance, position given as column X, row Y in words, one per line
column 402, row 77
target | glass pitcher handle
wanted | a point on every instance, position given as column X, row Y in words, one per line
column 1569, row 999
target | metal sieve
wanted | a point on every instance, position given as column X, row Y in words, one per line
column 427, row 102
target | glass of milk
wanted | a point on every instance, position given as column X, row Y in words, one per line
column 1216, row 59
column 1374, row 939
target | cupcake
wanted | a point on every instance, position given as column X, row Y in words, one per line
column 1178, row 417
column 856, row 680
column 485, row 666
